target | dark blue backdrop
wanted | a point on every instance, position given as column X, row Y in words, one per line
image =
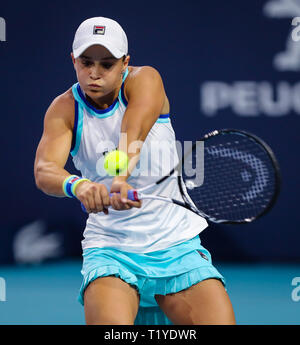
column 224, row 64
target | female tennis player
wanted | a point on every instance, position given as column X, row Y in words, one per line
column 143, row 263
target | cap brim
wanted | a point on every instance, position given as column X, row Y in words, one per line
column 115, row 52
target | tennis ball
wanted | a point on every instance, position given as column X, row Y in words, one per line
column 115, row 162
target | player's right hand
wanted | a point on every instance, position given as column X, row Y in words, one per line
column 94, row 196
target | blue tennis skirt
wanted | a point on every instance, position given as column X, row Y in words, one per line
column 161, row 272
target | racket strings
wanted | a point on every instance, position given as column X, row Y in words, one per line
column 238, row 178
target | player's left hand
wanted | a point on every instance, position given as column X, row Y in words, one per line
column 119, row 201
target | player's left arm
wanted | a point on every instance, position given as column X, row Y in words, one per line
column 145, row 94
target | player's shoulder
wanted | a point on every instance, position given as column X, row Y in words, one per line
column 63, row 105
column 145, row 80
column 142, row 78
column 142, row 73
column 64, row 100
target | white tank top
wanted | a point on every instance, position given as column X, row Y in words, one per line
column 154, row 226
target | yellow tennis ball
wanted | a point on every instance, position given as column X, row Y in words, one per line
column 115, row 162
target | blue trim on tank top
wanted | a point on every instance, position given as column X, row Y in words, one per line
column 100, row 113
column 162, row 119
column 122, row 95
column 77, row 130
column 125, row 74
column 75, row 127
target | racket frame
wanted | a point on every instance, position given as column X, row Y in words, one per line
column 187, row 203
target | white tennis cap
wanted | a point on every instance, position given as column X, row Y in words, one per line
column 103, row 31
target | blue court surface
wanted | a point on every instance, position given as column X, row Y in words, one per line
column 46, row 294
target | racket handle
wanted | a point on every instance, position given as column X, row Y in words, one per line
column 131, row 195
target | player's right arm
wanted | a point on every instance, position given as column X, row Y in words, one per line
column 52, row 154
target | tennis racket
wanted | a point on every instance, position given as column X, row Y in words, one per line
column 241, row 178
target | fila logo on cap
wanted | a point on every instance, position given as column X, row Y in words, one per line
column 99, row 30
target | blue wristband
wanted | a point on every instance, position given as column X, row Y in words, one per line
column 67, row 185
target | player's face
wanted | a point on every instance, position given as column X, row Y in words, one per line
column 99, row 73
